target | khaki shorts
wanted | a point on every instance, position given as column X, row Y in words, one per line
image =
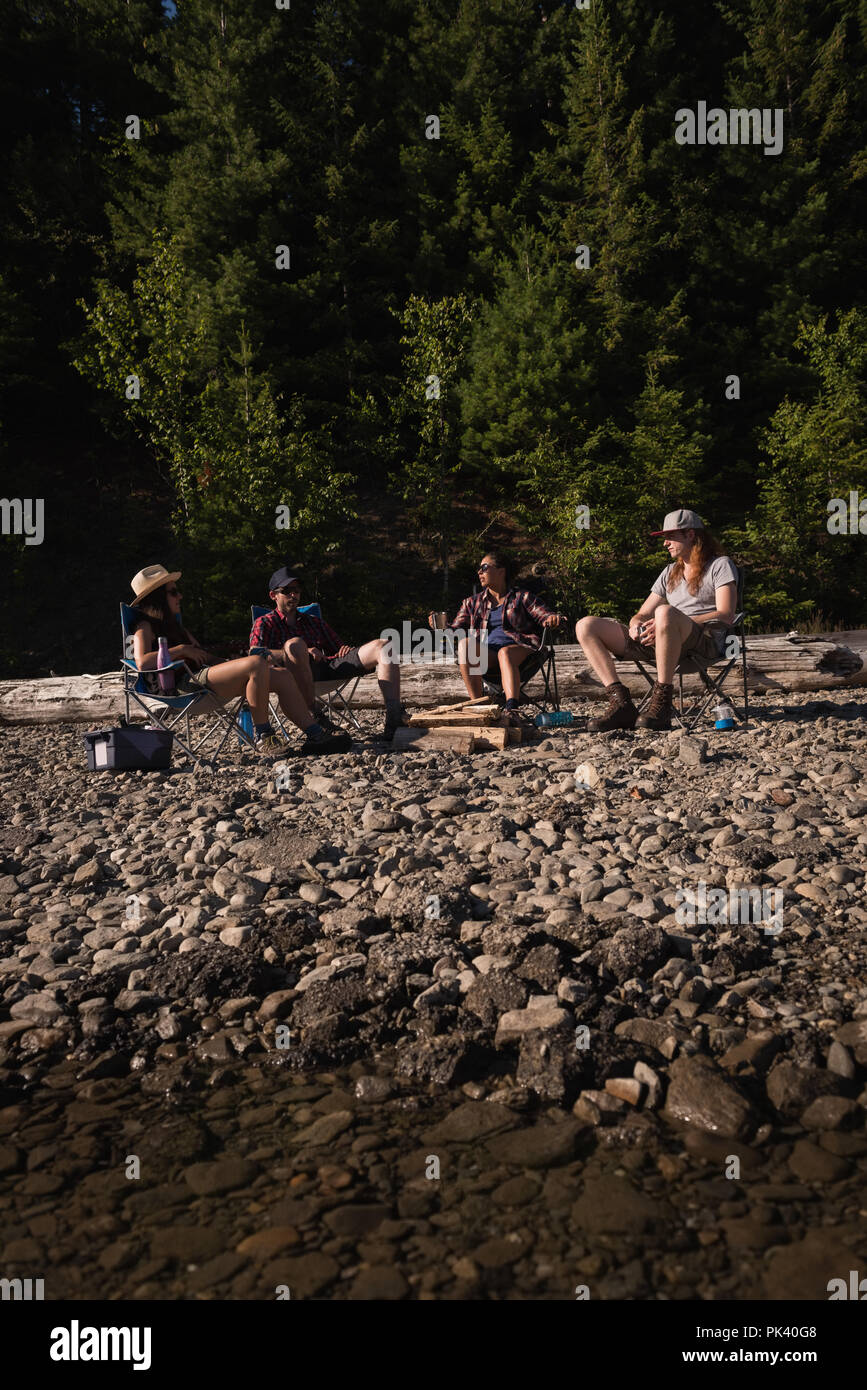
column 700, row 644
column 190, row 680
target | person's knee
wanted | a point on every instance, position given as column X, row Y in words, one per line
column 585, row 627
column 295, row 648
column 672, row 623
column 256, row 663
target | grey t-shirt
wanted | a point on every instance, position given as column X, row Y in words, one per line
column 720, row 571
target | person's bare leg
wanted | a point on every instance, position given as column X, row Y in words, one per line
column 292, row 702
column 672, row 630
column 599, row 638
column 387, row 672
column 510, row 659
column 248, row 674
column 472, row 680
column 298, row 666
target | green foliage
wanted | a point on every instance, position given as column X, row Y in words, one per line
column 304, row 387
column 233, row 459
column 434, row 337
column 814, row 452
column 627, row 479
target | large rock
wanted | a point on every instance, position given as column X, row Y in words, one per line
column 494, row 994
column 611, row 1205
column 538, row 1146
column 791, row 1088
column 699, row 1093
column 635, row 951
column 804, row 1270
column 471, row 1121
column 518, row 1022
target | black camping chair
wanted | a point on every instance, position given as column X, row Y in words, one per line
column 735, row 651
column 541, row 663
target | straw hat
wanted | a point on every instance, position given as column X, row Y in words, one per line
column 150, row 578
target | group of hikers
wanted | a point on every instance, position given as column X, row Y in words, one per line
column 688, row 612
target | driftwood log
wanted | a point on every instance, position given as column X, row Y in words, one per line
column 774, row 663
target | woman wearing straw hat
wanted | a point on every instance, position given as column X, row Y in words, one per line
column 157, row 603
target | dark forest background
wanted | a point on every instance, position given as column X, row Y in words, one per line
column 311, row 387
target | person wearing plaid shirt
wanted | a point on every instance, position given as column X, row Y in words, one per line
column 312, row 650
column 500, row 620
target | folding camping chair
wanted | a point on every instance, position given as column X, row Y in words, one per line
column 541, row 663
column 735, row 651
column 169, row 710
column 330, row 690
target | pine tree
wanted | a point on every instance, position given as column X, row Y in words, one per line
column 813, row 453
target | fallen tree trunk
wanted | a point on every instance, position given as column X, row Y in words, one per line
column 774, row 663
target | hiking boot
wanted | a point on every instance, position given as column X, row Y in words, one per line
column 620, row 714
column 393, row 722
column 270, row 743
column 331, row 743
column 658, row 714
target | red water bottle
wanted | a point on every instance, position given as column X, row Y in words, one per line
column 166, row 677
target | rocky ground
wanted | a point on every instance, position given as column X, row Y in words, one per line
column 432, row 1026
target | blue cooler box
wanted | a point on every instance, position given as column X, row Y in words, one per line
column 128, row 748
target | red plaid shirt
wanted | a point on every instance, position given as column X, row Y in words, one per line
column 522, row 615
column 272, row 630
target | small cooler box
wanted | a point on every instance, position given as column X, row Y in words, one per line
column 128, row 748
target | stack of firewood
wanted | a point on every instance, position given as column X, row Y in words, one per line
column 467, row 727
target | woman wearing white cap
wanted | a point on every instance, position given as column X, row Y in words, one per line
column 157, row 603
column 687, row 612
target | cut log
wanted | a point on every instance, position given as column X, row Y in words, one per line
column 458, row 740
column 489, row 737
column 776, row 663
column 461, row 718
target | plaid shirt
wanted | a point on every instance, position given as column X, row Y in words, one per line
column 522, row 615
column 272, row 630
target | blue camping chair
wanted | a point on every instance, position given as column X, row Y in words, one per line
column 169, row 710
column 329, row 690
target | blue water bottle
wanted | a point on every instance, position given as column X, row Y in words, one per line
column 724, row 716
column 557, row 719
column 245, row 722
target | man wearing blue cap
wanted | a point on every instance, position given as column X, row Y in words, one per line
column 687, row 613
column 312, row 650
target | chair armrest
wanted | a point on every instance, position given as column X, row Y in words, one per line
column 155, row 670
column 152, row 670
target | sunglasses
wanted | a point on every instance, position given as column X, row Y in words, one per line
column 482, row 568
column 173, row 593
column 293, row 590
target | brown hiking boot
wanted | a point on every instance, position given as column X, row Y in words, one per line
column 658, row 714
column 621, row 712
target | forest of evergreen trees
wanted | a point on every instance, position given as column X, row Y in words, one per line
column 321, row 265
